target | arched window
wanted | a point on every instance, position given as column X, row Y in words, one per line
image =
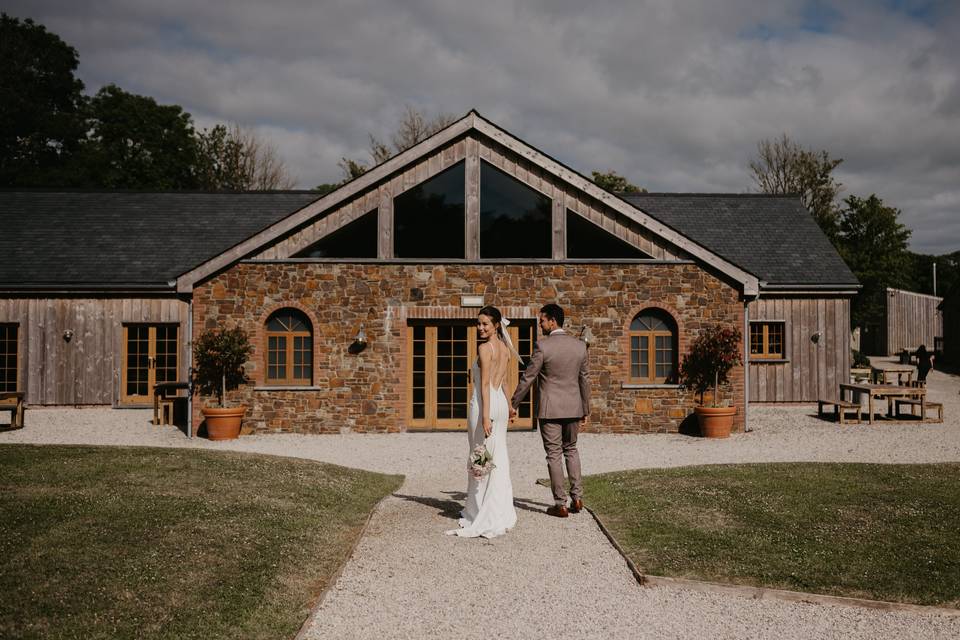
column 653, row 347
column 289, row 348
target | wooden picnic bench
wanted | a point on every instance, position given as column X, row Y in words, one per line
column 840, row 408
column 883, row 391
column 165, row 395
column 925, row 407
column 12, row 401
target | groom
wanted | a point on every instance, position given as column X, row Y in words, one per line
column 559, row 365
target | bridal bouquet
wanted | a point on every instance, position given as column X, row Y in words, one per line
column 480, row 462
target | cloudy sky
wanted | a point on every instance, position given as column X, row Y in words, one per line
column 674, row 94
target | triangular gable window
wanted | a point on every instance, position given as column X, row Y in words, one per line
column 429, row 219
column 586, row 240
column 515, row 220
column 357, row 239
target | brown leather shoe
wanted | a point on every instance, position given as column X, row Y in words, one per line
column 558, row 511
column 576, row 505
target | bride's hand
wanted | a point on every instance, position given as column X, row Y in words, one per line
column 513, row 414
column 487, row 428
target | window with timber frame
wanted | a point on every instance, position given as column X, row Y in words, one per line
column 289, row 356
column 767, row 340
column 9, row 357
column 429, row 219
column 357, row 239
column 653, row 347
column 515, row 219
column 587, row 240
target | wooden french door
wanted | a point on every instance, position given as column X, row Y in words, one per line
column 150, row 355
column 440, row 355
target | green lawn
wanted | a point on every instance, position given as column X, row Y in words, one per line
column 885, row 532
column 105, row 542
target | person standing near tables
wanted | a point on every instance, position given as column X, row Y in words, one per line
column 924, row 362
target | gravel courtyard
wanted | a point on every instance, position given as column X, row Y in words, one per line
column 548, row 578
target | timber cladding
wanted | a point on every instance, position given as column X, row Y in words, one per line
column 86, row 369
column 816, row 350
column 367, row 392
column 911, row 319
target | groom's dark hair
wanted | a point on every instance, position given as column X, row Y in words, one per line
column 553, row 312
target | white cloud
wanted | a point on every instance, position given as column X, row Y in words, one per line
column 675, row 95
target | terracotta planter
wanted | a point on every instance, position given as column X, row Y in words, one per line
column 715, row 422
column 223, row 424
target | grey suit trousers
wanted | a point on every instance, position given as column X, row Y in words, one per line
column 560, row 440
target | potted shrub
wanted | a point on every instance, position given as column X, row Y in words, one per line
column 218, row 366
column 712, row 355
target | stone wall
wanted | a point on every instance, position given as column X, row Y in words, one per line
column 366, row 392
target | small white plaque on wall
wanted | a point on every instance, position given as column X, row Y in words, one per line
column 471, row 301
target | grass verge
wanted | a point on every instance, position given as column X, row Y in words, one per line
column 104, row 542
column 883, row 532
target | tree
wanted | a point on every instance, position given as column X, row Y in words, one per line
column 232, row 158
column 135, row 143
column 615, row 183
column 40, row 105
column 874, row 245
column 921, row 272
column 414, row 127
column 784, row 167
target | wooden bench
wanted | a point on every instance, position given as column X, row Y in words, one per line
column 925, row 407
column 840, row 408
column 12, row 401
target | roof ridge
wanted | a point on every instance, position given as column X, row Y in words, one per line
column 193, row 192
column 693, row 194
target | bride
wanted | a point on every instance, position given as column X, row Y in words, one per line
column 489, row 510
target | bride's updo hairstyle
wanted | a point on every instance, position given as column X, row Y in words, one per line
column 494, row 314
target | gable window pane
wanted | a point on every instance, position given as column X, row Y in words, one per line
column 357, row 239
column 429, row 219
column 587, row 240
column 8, row 357
column 515, row 220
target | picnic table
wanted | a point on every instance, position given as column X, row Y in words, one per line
column 889, row 391
column 164, row 395
column 12, row 401
column 883, row 373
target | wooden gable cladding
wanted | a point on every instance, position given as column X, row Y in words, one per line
column 472, row 150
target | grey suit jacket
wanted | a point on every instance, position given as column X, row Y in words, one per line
column 559, row 365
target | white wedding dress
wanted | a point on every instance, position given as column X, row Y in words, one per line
column 489, row 510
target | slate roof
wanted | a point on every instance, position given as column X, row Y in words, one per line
column 143, row 240
column 773, row 237
column 125, row 239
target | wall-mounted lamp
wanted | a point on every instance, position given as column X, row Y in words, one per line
column 586, row 335
column 359, row 341
column 68, row 334
column 815, row 338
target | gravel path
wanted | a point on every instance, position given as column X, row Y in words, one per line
column 548, row 578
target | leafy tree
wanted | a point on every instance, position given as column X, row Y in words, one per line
column 40, row 105
column 784, row 167
column 414, row 127
column 236, row 159
column 135, row 143
column 874, row 245
column 615, row 183
column 921, row 272
column 326, row 187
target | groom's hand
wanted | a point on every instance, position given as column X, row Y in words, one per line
column 513, row 413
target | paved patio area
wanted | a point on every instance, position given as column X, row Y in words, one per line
column 548, row 578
